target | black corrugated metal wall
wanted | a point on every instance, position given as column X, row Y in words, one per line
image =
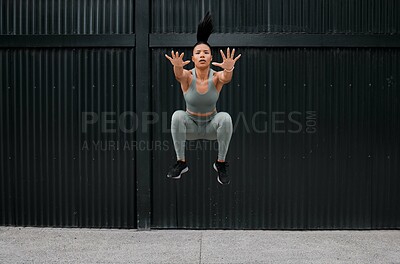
column 315, row 108
column 314, row 100
column 56, row 169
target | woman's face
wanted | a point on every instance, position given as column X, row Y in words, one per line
column 202, row 56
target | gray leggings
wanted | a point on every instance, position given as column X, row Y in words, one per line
column 185, row 126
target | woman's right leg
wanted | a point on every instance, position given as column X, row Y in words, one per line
column 182, row 127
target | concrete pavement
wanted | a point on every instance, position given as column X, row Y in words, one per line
column 76, row 245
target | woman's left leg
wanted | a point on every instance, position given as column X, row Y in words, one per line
column 220, row 128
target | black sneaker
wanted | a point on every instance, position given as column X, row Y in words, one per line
column 177, row 170
column 221, row 168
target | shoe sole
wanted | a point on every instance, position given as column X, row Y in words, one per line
column 215, row 168
column 179, row 176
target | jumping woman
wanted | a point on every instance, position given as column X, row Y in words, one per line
column 201, row 87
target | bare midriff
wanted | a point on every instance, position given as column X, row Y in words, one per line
column 201, row 114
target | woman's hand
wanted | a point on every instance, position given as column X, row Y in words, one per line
column 228, row 61
column 177, row 60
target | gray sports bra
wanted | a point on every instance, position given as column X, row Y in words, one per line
column 201, row 103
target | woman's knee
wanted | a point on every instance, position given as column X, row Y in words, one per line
column 178, row 116
column 225, row 118
column 226, row 121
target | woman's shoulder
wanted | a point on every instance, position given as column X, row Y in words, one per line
column 214, row 73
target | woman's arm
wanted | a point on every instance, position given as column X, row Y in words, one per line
column 225, row 76
column 181, row 74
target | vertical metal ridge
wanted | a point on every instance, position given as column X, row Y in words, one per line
column 57, row 87
column 15, row 146
column 39, row 88
column 74, row 153
column 3, row 140
column 143, row 104
column 34, row 129
column 2, row 21
column 108, row 164
column 81, row 156
column 26, row 90
column 53, row 175
column 99, row 106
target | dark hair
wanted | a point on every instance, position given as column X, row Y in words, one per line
column 204, row 30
